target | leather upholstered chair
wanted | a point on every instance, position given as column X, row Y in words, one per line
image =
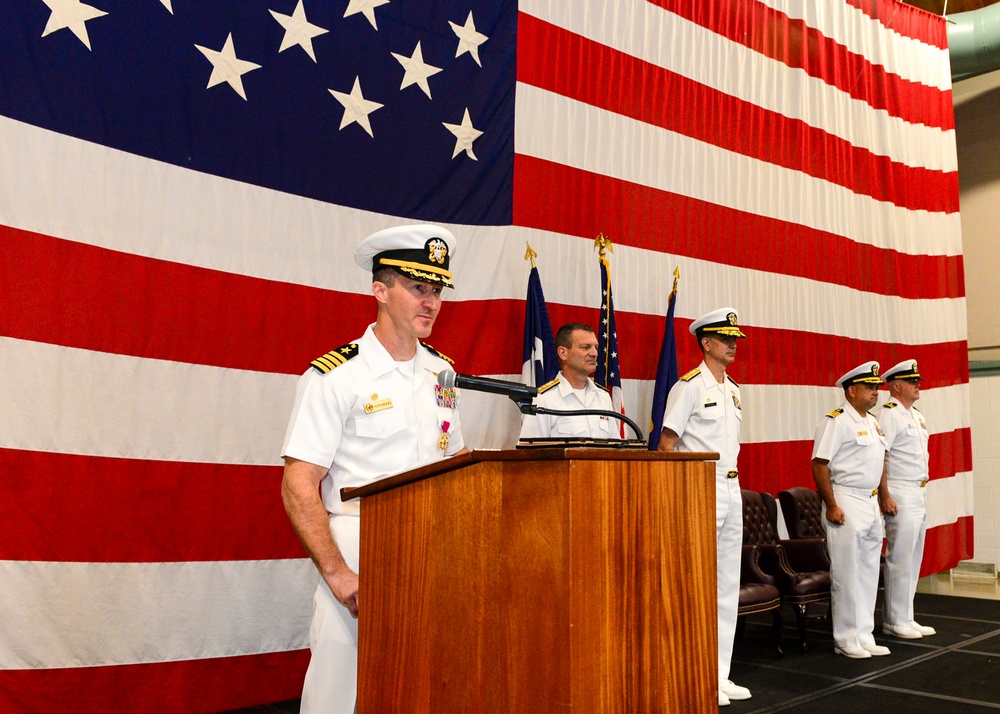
column 800, row 567
column 803, row 512
column 758, row 593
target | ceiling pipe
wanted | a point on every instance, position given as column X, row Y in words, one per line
column 974, row 42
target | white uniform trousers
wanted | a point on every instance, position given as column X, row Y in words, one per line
column 331, row 683
column 855, row 548
column 729, row 555
column 905, row 532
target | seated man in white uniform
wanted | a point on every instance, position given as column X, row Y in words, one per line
column 364, row 411
column 848, row 465
column 576, row 345
column 904, row 501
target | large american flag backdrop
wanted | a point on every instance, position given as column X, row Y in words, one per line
column 182, row 186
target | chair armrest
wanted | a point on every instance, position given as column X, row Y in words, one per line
column 806, row 554
column 750, row 571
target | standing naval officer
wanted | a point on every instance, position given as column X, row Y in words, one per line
column 704, row 413
column 848, row 465
column 369, row 409
column 903, row 501
column 576, row 346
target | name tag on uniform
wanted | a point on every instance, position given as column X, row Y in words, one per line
column 377, row 406
column 710, row 404
column 446, row 397
column 862, row 433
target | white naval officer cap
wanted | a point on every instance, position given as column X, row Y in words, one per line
column 866, row 373
column 907, row 369
column 723, row 321
column 421, row 252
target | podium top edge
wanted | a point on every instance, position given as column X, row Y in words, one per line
column 544, row 454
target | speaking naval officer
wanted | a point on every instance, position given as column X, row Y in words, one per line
column 369, row 409
column 903, row 501
column 704, row 413
column 576, row 346
column 848, row 465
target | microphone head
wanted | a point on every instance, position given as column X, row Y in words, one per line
column 446, row 378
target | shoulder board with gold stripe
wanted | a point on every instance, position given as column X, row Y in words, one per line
column 915, row 409
column 732, row 380
column 890, row 405
column 433, row 351
column 835, row 413
column 548, row 385
column 335, row 358
column 691, row 375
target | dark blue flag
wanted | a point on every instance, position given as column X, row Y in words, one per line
column 540, row 362
column 666, row 369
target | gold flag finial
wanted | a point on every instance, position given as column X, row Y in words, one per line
column 677, row 277
column 530, row 254
column 603, row 245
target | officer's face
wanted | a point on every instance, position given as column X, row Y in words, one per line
column 412, row 305
column 865, row 396
column 581, row 357
column 721, row 348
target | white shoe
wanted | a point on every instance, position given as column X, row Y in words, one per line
column 924, row 630
column 876, row 650
column 734, row 692
column 723, row 699
column 904, row 632
column 853, row 652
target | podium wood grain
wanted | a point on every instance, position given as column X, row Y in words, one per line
column 510, row 584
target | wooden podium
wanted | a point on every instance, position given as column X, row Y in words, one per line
column 556, row 580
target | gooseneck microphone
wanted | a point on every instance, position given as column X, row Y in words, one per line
column 520, row 393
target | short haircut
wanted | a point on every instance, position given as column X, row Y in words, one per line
column 386, row 276
column 564, row 335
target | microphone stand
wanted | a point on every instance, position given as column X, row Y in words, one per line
column 527, row 407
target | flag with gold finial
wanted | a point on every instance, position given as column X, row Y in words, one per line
column 666, row 368
column 539, row 360
column 608, row 373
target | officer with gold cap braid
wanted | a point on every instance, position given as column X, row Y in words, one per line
column 364, row 411
column 704, row 413
column 848, row 465
column 903, row 501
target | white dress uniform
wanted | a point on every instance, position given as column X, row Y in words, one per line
column 906, row 437
column 365, row 417
column 855, row 447
column 560, row 394
column 706, row 416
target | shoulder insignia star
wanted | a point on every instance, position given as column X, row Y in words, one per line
column 334, row 358
column 691, row 375
column 434, row 352
column 890, row 405
column 835, row 413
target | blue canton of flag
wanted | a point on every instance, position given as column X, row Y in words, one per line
column 608, row 373
column 540, row 361
column 403, row 108
column 666, row 369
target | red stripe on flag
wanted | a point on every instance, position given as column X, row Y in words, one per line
column 90, row 308
column 775, row 466
column 710, row 115
column 945, row 546
column 97, row 509
column 907, row 20
column 203, row 685
column 773, row 34
column 552, row 197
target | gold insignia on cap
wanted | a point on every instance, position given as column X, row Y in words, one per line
column 437, row 249
column 915, row 370
column 874, row 370
column 732, row 319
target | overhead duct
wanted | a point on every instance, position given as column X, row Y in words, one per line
column 974, row 42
